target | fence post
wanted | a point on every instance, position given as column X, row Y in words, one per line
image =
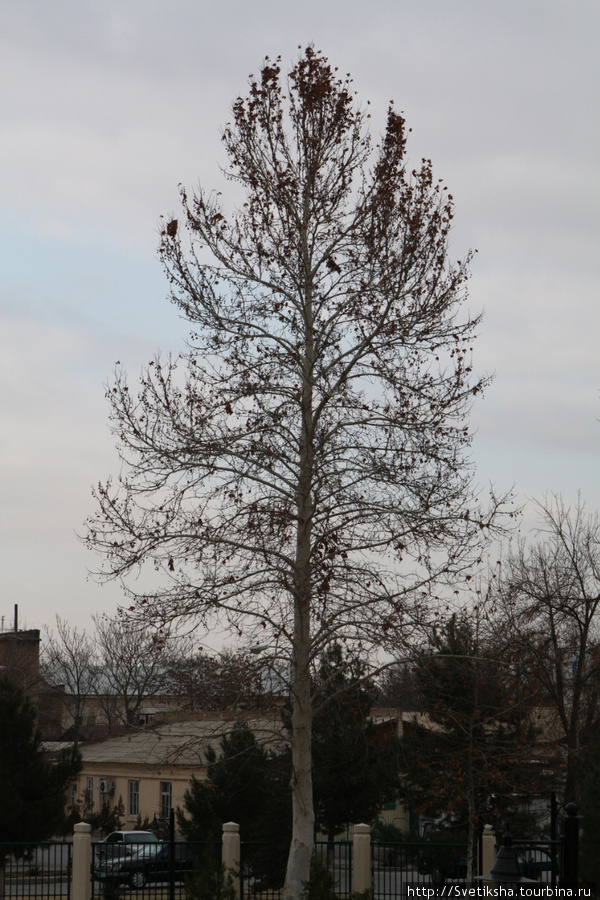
column 361, row 859
column 488, row 849
column 81, row 886
column 570, row 846
column 231, row 854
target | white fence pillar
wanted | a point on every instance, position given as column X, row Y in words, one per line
column 231, row 854
column 361, row 859
column 81, row 885
column 488, row 849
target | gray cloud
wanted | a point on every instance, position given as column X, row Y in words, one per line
column 110, row 105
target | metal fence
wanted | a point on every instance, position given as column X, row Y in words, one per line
column 540, row 860
column 337, row 858
column 36, row 870
column 263, row 868
column 151, row 871
column 157, row 871
column 393, row 865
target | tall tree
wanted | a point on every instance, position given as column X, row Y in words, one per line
column 245, row 783
column 302, row 468
column 33, row 788
column 356, row 764
column 239, row 787
column 551, row 595
column 476, row 742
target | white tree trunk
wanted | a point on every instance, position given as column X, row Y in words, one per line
column 301, row 848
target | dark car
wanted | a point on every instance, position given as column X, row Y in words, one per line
column 150, row 862
column 442, row 866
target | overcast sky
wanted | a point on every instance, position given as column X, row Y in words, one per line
column 106, row 105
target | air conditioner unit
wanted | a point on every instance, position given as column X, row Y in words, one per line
column 106, row 786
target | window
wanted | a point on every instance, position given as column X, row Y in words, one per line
column 165, row 799
column 88, row 800
column 134, row 798
column 145, row 718
column 73, row 794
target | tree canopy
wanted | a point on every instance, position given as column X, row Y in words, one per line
column 238, row 787
column 34, row 789
column 302, row 469
column 356, row 763
column 245, row 784
column 469, row 760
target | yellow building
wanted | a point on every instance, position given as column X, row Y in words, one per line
column 151, row 769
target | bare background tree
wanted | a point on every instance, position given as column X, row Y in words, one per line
column 114, row 671
column 69, row 658
column 133, row 667
column 551, row 597
column 229, row 680
column 300, row 473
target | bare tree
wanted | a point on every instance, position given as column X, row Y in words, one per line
column 230, row 680
column 301, row 470
column 69, row 659
column 551, row 595
column 132, row 667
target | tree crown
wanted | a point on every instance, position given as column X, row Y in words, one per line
column 317, row 440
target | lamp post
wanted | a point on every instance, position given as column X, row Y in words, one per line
column 506, row 869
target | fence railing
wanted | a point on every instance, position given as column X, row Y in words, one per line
column 336, row 856
column 395, row 864
column 174, row 870
column 540, row 860
column 36, row 870
column 159, row 870
column 262, row 870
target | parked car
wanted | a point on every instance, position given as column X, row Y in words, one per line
column 129, row 837
column 535, row 863
column 119, row 842
column 149, row 862
column 443, row 862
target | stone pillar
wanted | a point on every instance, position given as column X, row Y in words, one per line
column 81, row 883
column 231, row 854
column 361, row 859
column 488, row 849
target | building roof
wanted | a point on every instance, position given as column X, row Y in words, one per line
column 178, row 743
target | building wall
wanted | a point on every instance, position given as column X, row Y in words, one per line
column 20, row 659
column 104, row 715
column 149, row 781
column 395, row 813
